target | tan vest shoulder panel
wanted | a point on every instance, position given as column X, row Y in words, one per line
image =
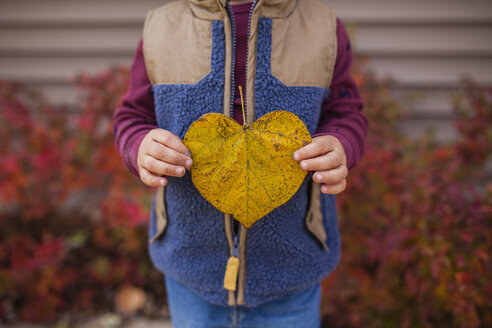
column 177, row 46
column 304, row 46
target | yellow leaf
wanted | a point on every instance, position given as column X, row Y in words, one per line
column 247, row 171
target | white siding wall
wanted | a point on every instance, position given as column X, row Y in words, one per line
column 426, row 46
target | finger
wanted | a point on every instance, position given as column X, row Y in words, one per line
column 317, row 147
column 329, row 161
column 162, row 168
column 333, row 176
column 150, row 179
column 334, row 188
column 169, row 140
column 168, row 155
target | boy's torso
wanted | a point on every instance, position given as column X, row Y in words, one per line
column 189, row 54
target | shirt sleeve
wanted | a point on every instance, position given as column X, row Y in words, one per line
column 136, row 115
column 341, row 113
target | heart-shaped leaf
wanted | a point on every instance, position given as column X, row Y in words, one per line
column 247, row 171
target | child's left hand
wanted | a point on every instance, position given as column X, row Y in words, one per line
column 326, row 156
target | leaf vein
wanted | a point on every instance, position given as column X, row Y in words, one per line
column 214, row 140
column 273, row 158
column 280, row 134
column 259, row 181
column 214, row 172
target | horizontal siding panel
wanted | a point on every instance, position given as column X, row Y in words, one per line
column 450, row 41
column 69, row 41
column 55, row 70
column 418, row 11
column 64, row 95
column 70, row 12
column 443, row 41
column 431, row 72
column 432, row 103
column 74, row 12
column 443, row 129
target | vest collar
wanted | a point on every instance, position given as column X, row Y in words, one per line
column 213, row 9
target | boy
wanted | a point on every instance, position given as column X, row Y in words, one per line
column 287, row 54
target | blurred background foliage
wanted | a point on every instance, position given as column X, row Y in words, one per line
column 415, row 219
column 73, row 218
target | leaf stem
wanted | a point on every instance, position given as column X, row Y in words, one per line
column 242, row 104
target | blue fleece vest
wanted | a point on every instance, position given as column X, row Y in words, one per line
column 282, row 256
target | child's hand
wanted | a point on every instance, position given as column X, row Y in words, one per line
column 325, row 156
column 161, row 153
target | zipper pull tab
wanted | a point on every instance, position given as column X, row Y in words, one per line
column 232, row 268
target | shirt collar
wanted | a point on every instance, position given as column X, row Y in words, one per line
column 213, row 9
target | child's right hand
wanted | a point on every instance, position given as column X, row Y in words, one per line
column 162, row 153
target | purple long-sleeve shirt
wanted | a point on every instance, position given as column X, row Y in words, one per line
column 341, row 114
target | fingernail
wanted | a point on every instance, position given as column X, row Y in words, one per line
column 188, row 163
column 188, row 153
column 296, row 156
column 316, row 177
column 162, row 182
column 179, row 170
column 303, row 165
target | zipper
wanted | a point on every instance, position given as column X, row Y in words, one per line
column 230, row 14
column 232, row 267
column 233, row 63
column 247, row 60
column 235, row 268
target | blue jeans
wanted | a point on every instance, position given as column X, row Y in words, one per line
column 299, row 310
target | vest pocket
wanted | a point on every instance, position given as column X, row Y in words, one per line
column 160, row 213
column 314, row 217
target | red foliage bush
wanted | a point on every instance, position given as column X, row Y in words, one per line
column 73, row 218
column 416, row 228
column 414, row 221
